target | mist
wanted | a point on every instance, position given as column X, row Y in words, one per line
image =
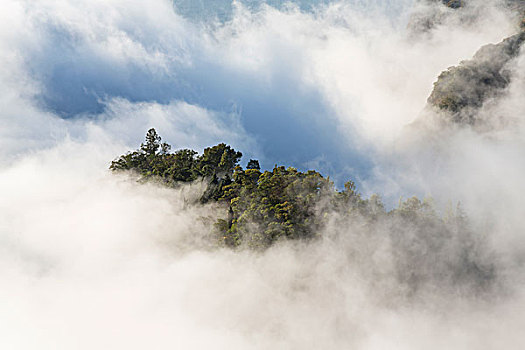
column 91, row 259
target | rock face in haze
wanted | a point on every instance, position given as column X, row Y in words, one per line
column 460, row 3
column 428, row 14
column 453, row 3
column 461, row 90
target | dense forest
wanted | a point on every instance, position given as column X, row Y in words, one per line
column 262, row 207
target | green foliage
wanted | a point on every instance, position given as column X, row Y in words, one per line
column 183, row 166
column 264, row 207
column 149, row 160
column 218, row 160
column 274, row 205
column 153, row 159
column 253, row 164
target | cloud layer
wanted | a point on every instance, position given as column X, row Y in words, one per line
column 89, row 259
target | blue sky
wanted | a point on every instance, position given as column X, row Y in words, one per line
column 291, row 122
column 329, row 86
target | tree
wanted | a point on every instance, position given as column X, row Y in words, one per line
column 148, row 160
column 182, row 166
column 152, row 144
column 253, row 164
column 219, row 160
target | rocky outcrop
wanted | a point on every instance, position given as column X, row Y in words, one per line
column 462, row 90
column 453, row 3
column 428, row 14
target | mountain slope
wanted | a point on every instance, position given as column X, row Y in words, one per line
column 461, row 91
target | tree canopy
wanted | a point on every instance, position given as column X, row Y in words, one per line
column 262, row 207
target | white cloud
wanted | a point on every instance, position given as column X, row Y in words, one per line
column 90, row 260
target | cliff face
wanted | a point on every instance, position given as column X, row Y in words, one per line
column 460, row 3
column 430, row 13
column 460, row 91
column 453, row 3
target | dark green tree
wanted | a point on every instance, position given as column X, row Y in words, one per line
column 219, row 160
column 253, row 164
column 152, row 143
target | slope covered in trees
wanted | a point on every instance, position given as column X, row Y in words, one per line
column 259, row 208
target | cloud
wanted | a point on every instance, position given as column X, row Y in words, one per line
column 90, row 259
column 335, row 83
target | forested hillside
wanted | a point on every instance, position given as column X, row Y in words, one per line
column 259, row 208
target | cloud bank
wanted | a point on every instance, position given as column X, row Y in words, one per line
column 95, row 260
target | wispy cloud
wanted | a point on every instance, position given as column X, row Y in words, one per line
column 89, row 259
